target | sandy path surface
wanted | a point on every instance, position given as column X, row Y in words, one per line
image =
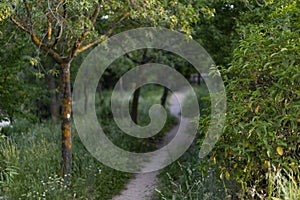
column 142, row 186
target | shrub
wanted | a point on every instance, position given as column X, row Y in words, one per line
column 263, row 90
column 203, row 98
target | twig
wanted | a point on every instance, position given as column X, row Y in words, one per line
column 102, row 37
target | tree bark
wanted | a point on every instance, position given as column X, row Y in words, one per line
column 135, row 103
column 199, row 79
column 99, row 90
column 66, row 125
column 164, row 97
column 136, row 94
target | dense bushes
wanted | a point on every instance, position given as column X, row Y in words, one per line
column 202, row 94
column 263, row 88
column 257, row 156
column 23, row 91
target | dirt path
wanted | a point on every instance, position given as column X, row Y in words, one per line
column 142, row 186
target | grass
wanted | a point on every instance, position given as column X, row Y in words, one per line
column 189, row 177
column 37, row 160
column 283, row 185
column 193, row 179
column 33, row 153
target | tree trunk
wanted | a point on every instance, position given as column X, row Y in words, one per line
column 99, row 89
column 164, row 97
column 136, row 94
column 134, row 106
column 199, row 79
column 66, row 125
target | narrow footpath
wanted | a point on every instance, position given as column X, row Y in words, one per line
column 143, row 185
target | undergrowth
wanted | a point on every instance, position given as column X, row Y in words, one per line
column 31, row 157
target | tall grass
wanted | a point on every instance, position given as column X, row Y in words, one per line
column 37, row 160
column 283, row 184
column 8, row 158
column 191, row 178
column 33, row 152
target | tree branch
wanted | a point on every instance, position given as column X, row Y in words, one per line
column 28, row 13
column 60, row 30
column 49, row 31
column 102, row 37
column 37, row 42
column 19, row 25
column 49, row 50
column 58, row 35
column 132, row 59
column 77, row 44
column 95, row 13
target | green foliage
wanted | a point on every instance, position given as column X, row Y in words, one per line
column 22, row 84
column 23, row 90
column 263, row 88
column 174, row 14
column 218, row 34
column 5, row 10
column 259, row 148
column 150, row 95
column 38, row 157
column 12, row 90
column 190, row 178
column 8, row 158
column 36, row 152
column 202, row 97
column 283, row 184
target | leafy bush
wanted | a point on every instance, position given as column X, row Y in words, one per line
column 263, row 89
column 203, row 98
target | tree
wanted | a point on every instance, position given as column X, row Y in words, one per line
column 218, row 34
column 156, row 56
column 135, row 101
column 64, row 29
column 62, row 34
